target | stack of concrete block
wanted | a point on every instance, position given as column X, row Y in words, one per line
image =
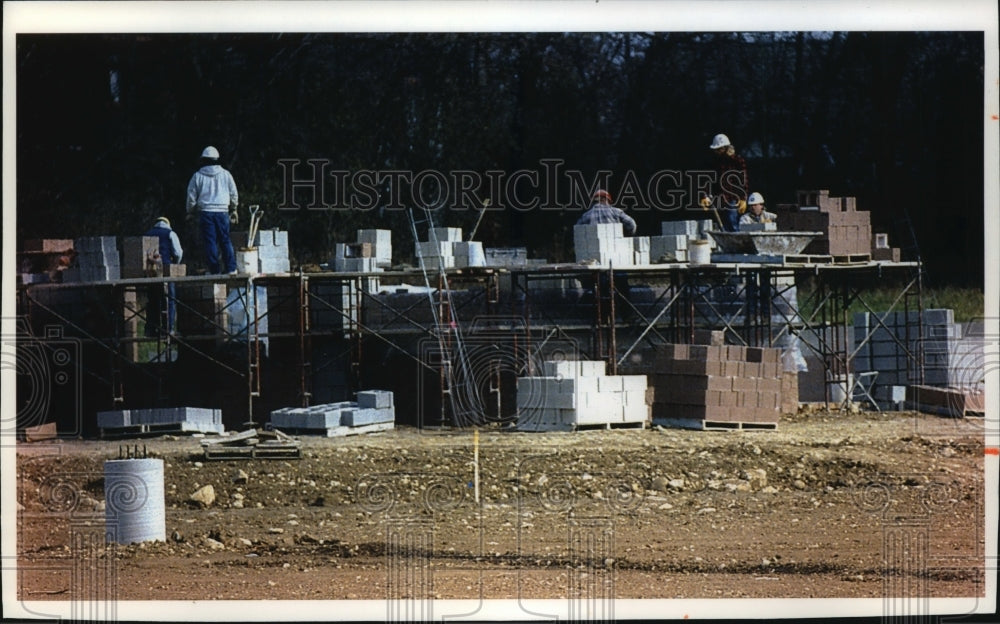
column 272, row 251
column 640, row 250
column 355, row 258
column 717, row 386
column 266, row 253
column 201, row 310
column 181, row 419
column 445, row 248
column 334, row 304
column 758, row 227
column 141, row 257
column 604, row 244
column 373, row 411
column 571, row 394
column 668, row 248
column 283, row 305
column 951, row 358
column 381, row 242
column 845, row 229
column 96, row 260
column 672, row 244
column 468, row 254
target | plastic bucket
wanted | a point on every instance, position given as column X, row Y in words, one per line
column 699, row 251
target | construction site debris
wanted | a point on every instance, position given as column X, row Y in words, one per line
column 252, row 444
column 39, row 433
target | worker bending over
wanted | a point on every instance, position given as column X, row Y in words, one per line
column 601, row 211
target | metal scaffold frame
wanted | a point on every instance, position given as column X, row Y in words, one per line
column 751, row 302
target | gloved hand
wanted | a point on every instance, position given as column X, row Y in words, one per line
column 191, row 217
column 706, row 202
column 741, row 206
column 234, row 217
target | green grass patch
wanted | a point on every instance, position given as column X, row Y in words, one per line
column 967, row 303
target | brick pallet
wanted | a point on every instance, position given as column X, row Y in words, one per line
column 846, row 230
column 719, row 387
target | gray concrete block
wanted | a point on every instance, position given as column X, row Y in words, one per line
column 366, row 416
column 375, row 399
column 117, row 418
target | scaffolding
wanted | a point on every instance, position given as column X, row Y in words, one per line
column 470, row 331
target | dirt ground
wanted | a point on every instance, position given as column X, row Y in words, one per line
column 829, row 505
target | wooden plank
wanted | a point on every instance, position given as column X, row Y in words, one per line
column 39, row 433
column 231, row 439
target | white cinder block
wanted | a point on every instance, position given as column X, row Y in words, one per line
column 561, row 368
column 445, row 234
column 472, row 251
column 634, row 397
column 635, row 413
column 633, row 383
column 609, row 383
column 426, row 249
column 592, row 368
column 375, row 237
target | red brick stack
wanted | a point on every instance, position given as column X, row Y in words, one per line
column 717, row 385
column 846, row 230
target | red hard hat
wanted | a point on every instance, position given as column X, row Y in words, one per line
column 602, row 194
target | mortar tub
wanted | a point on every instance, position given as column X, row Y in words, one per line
column 134, row 501
column 763, row 243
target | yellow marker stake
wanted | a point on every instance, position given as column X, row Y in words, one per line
column 475, row 463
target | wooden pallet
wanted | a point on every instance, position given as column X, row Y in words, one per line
column 613, row 425
column 252, row 444
column 852, row 259
column 714, row 425
column 263, row 450
column 137, row 431
column 808, row 259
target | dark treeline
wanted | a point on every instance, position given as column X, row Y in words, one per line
column 110, row 127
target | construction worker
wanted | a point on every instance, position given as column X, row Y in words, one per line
column 756, row 212
column 601, row 211
column 730, row 182
column 171, row 252
column 210, row 194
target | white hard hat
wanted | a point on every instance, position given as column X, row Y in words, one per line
column 210, row 152
column 720, row 140
column 755, row 198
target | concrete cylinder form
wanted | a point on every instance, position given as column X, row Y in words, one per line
column 134, row 501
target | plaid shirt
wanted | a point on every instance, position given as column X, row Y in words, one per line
column 604, row 213
column 732, row 182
